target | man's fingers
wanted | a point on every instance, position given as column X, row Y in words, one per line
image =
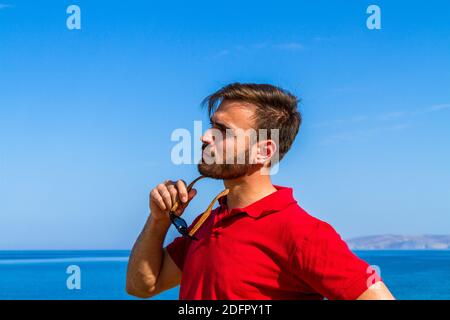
column 182, row 190
column 156, row 197
column 173, row 193
column 164, row 193
column 183, row 206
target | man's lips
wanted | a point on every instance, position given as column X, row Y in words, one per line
column 207, row 155
column 207, row 151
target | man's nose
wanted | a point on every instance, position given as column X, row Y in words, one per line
column 207, row 137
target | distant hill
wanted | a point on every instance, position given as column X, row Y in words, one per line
column 400, row 242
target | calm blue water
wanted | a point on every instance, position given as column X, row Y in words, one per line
column 42, row 274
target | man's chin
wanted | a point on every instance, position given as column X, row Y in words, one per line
column 209, row 170
column 222, row 171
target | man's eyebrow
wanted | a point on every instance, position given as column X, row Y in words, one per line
column 219, row 124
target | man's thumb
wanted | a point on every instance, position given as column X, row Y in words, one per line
column 191, row 195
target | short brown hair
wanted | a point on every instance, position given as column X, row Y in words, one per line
column 276, row 108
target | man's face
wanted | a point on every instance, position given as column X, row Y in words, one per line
column 227, row 148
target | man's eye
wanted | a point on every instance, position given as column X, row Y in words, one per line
column 214, row 126
column 220, row 128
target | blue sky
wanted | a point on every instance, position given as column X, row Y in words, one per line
column 86, row 115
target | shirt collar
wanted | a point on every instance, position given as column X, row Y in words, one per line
column 274, row 202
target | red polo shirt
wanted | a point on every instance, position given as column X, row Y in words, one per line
column 271, row 249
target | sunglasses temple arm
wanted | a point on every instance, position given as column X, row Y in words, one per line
column 189, row 187
column 206, row 214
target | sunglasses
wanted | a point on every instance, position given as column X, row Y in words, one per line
column 181, row 224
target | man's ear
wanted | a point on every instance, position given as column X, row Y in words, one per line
column 266, row 150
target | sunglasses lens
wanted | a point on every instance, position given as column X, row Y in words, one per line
column 180, row 224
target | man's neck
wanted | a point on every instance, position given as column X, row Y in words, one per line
column 248, row 189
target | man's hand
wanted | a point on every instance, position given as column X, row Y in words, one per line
column 150, row 268
column 164, row 196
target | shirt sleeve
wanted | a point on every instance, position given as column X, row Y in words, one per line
column 177, row 250
column 329, row 267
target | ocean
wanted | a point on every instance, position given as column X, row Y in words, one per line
column 40, row 275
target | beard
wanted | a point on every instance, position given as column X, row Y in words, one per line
column 227, row 171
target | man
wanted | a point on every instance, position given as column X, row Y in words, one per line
column 259, row 243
